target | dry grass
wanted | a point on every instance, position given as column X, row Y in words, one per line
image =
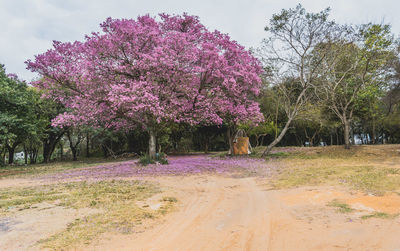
column 43, row 168
column 374, row 169
column 114, row 200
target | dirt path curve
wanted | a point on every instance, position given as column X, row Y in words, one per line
column 215, row 214
column 220, row 213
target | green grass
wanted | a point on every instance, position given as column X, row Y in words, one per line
column 341, row 207
column 278, row 155
column 115, row 202
column 380, row 215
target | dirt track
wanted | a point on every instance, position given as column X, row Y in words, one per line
column 218, row 213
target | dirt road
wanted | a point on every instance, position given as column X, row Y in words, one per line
column 218, row 213
column 215, row 214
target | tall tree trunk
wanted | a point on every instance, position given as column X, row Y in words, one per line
column 74, row 157
column 10, row 155
column 152, row 144
column 278, row 139
column 373, row 131
column 337, row 137
column 346, row 134
column 25, row 155
column 3, row 156
column 87, row 145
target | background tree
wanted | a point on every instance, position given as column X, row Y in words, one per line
column 355, row 71
column 288, row 52
column 18, row 122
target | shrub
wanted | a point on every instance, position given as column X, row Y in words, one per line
column 160, row 158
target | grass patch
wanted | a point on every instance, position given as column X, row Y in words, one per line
column 37, row 169
column 220, row 155
column 340, row 207
column 377, row 180
column 380, row 215
column 169, row 199
column 115, row 200
column 278, row 155
column 369, row 168
column 168, row 205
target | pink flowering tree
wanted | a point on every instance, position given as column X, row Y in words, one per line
column 140, row 73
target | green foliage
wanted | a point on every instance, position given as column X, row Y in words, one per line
column 380, row 215
column 160, row 158
column 19, row 113
column 341, row 207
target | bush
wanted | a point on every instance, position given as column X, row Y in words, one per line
column 160, row 158
column 145, row 160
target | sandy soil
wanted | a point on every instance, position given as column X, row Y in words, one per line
column 217, row 213
column 24, row 229
column 223, row 213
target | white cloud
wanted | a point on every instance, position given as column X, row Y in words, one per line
column 29, row 26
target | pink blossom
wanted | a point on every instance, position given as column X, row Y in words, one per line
column 141, row 72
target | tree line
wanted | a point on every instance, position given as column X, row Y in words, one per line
column 171, row 85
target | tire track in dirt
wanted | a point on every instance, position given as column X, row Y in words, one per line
column 216, row 214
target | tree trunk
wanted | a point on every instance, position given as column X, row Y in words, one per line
column 231, row 136
column 105, row 151
column 346, row 134
column 337, row 137
column 49, row 144
column 373, row 131
column 87, row 145
column 11, row 151
column 152, row 144
column 73, row 150
column 32, row 152
column 46, row 152
column 74, row 146
column 61, row 151
column 278, row 139
column 10, row 155
column 206, row 146
column 25, row 155
column 48, row 149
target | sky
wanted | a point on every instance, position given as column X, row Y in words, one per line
column 29, row 26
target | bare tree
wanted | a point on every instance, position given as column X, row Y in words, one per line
column 294, row 35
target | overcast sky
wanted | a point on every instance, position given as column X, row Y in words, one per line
column 28, row 27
